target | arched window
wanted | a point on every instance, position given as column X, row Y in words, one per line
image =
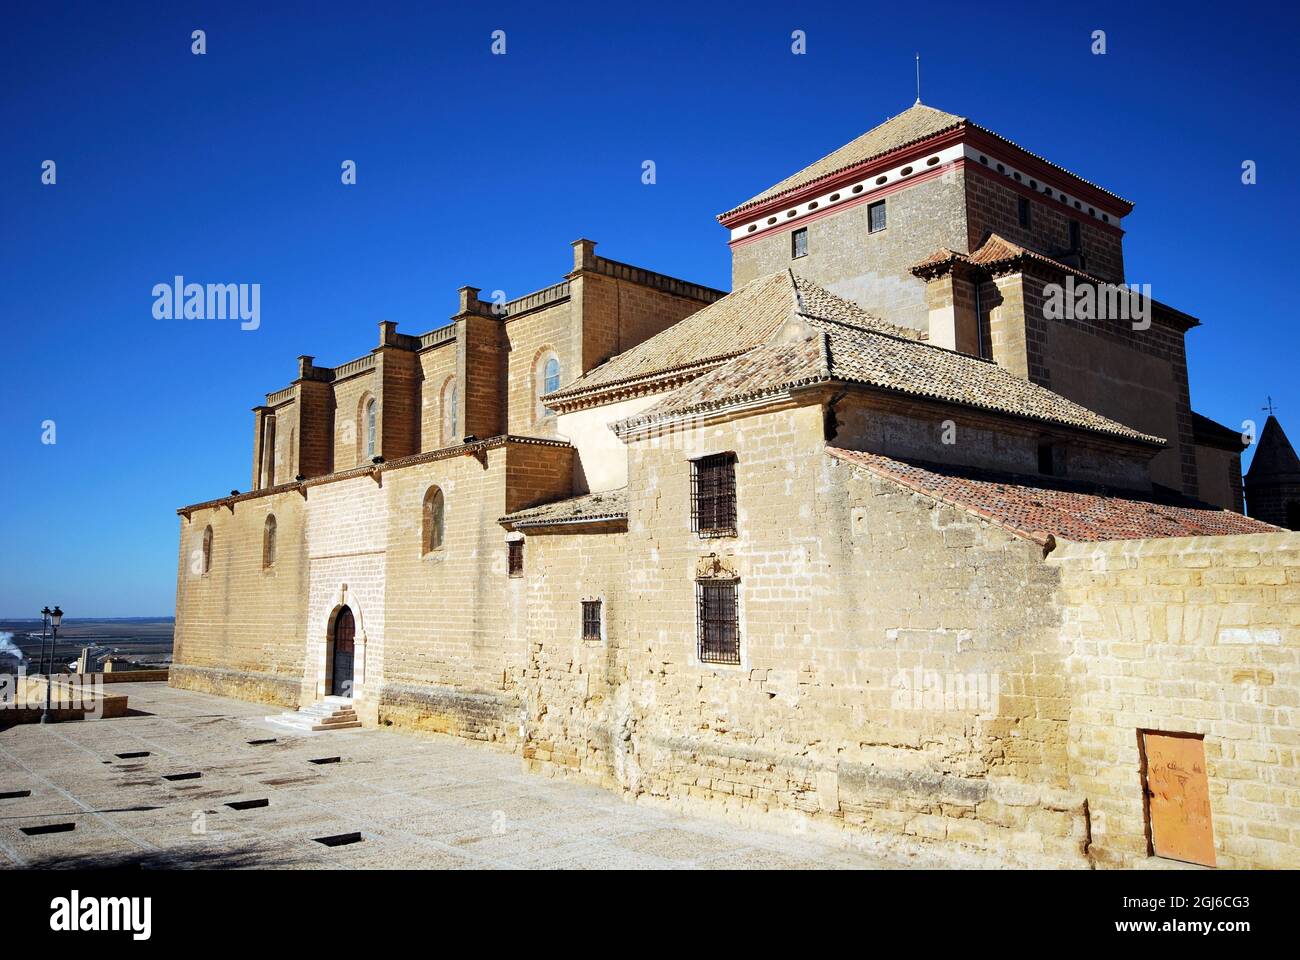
column 434, row 507
column 268, row 542
column 207, row 549
column 450, row 400
column 371, row 416
column 547, row 380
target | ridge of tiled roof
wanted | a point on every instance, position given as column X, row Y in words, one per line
column 746, row 318
column 1274, row 458
column 918, row 122
column 997, row 252
column 1043, row 509
column 915, row 124
column 873, row 355
column 588, row 508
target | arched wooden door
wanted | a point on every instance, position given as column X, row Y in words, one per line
column 341, row 671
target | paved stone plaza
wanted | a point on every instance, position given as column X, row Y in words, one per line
column 416, row 801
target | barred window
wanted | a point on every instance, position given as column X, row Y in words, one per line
column 713, row 495
column 719, row 621
column 515, row 558
column 591, row 610
column 1022, row 210
column 799, row 244
column 1076, row 236
column 876, row 217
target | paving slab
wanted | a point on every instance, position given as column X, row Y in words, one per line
column 417, row 801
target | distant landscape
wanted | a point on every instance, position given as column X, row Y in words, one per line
column 141, row 641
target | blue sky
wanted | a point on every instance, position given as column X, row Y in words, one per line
column 480, row 169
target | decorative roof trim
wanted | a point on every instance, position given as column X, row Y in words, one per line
column 552, row 514
column 959, row 130
column 655, row 382
column 985, row 263
column 376, row 469
column 703, row 414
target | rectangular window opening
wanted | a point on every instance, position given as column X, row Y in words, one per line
column 1023, row 211
column 1046, row 460
column 591, row 610
column 799, row 244
column 876, row 220
column 713, row 495
column 719, row 621
column 515, row 558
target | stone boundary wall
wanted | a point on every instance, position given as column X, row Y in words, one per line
column 1197, row 635
column 279, row 689
column 486, row 716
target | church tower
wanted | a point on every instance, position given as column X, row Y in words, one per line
column 1273, row 481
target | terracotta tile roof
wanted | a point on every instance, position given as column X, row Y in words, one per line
column 914, row 124
column 997, row 252
column 1040, row 508
column 832, row 339
column 740, row 321
column 918, row 122
column 589, row 508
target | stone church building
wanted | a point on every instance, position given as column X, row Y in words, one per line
column 883, row 540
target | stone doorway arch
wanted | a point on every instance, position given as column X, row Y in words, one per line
column 341, row 654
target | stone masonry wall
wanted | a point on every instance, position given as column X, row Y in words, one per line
column 860, row 608
column 872, row 269
column 1193, row 635
column 992, row 206
column 239, row 625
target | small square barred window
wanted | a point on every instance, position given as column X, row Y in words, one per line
column 515, row 558
column 591, row 619
column 713, row 495
column 719, row 621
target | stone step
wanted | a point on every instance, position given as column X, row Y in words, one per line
column 331, row 713
column 324, row 707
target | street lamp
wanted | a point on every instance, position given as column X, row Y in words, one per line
column 45, row 634
column 56, row 618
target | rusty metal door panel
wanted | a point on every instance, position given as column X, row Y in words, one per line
column 1178, row 797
